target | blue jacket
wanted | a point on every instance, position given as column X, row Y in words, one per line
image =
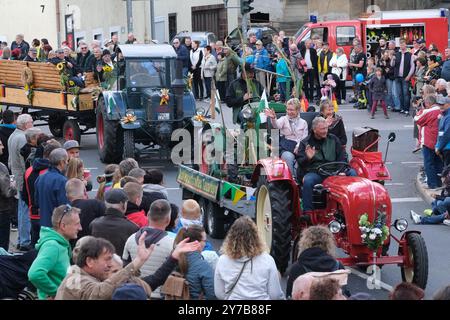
column 183, row 55
column 200, row 276
column 445, row 72
column 262, row 60
column 50, row 192
column 282, row 68
column 443, row 142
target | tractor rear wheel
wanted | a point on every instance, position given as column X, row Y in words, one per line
column 71, row 130
column 418, row 258
column 273, row 218
column 128, row 144
column 107, row 136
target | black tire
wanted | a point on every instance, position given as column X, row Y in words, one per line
column 418, row 273
column 128, row 144
column 55, row 124
column 109, row 141
column 71, row 130
column 279, row 194
column 215, row 220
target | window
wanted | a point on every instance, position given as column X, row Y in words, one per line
column 319, row 33
column 150, row 73
column 99, row 37
column 345, row 35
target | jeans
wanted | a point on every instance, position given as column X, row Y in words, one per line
column 341, row 90
column 35, row 230
column 401, row 94
column 434, row 219
column 390, row 96
column 433, row 165
column 441, row 206
column 289, row 157
column 4, row 230
column 208, row 81
column 24, row 224
column 282, row 91
column 309, row 181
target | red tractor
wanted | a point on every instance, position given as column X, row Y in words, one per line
column 338, row 203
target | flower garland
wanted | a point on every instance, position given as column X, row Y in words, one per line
column 373, row 234
column 27, row 80
column 164, row 94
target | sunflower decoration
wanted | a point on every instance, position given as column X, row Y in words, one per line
column 129, row 118
column 71, row 83
column 60, row 66
column 107, row 68
column 29, row 92
column 164, row 97
column 108, row 77
column 188, row 81
column 200, row 118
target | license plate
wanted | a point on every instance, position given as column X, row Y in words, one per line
column 163, row 116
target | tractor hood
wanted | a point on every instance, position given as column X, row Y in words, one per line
column 357, row 196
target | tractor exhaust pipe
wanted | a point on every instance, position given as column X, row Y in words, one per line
column 391, row 138
column 178, row 88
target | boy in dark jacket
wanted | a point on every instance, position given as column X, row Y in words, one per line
column 378, row 91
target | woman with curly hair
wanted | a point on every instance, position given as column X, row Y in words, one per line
column 316, row 254
column 246, row 271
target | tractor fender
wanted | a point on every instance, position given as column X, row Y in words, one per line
column 403, row 238
column 115, row 104
column 275, row 169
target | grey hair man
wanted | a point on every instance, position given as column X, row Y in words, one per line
column 90, row 208
column 50, row 187
column 16, row 164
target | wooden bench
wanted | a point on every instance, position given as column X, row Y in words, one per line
column 45, row 75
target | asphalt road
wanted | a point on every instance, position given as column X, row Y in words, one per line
column 403, row 166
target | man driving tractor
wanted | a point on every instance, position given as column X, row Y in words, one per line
column 319, row 148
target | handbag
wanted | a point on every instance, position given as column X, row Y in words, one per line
column 176, row 287
column 287, row 145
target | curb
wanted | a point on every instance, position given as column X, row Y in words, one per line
column 426, row 195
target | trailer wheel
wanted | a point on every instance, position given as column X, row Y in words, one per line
column 128, row 144
column 215, row 220
column 107, row 136
column 71, row 130
column 55, row 124
column 418, row 258
column 273, row 218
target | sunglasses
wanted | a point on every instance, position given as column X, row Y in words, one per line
column 66, row 210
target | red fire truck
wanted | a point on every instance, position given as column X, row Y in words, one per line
column 430, row 25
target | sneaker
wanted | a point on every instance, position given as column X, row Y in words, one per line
column 13, row 227
column 401, row 111
column 386, row 116
column 406, row 113
column 446, row 222
column 415, row 217
column 389, row 107
column 343, row 101
column 428, row 212
column 372, row 117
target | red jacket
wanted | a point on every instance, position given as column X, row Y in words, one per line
column 428, row 123
column 138, row 218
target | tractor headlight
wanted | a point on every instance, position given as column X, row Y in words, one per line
column 130, row 113
column 334, row 226
column 247, row 113
column 200, row 111
column 401, row 224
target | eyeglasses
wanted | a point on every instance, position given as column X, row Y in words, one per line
column 84, row 48
column 66, row 210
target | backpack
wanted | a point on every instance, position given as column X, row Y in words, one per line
column 176, row 287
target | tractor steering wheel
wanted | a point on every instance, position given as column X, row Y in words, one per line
column 324, row 169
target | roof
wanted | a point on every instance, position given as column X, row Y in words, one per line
column 147, row 51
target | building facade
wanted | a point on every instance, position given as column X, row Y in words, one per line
column 100, row 19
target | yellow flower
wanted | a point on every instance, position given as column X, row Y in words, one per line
column 71, row 83
column 107, row 68
column 60, row 66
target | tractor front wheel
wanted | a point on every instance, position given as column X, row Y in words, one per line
column 273, row 218
column 417, row 272
column 107, row 135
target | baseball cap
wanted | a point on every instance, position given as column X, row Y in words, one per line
column 70, row 144
column 116, row 196
column 129, row 291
